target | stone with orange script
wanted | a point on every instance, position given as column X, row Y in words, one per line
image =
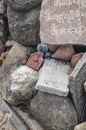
column 64, row 52
column 35, row 61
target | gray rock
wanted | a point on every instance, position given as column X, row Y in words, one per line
column 21, row 85
column 28, row 119
column 53, row 77
column 22, row 5
column 3, row 27
column 16, row 57
column 8, row 119
column 77, row 78
column 24, row 27
column 81, row 126
column 54, row 112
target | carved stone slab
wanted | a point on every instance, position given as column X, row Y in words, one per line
column 8, row 119
column 63, row 22
column 53, row 77
column 76, row 80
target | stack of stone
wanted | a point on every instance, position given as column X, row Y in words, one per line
column 48, row 99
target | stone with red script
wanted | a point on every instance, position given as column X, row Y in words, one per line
column 35, row 61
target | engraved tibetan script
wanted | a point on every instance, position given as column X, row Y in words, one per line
column 63, row 22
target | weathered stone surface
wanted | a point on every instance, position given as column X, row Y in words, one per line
column 85, row 86
column 3, row 27
column 22, row 5
column 54, row 112
column 77, row 78
column 2, row 46
column 76, row 58
column 81, row 126
column 8, row 119
column 53, row 77
column 63, row 22
column 24, row 27
column 64, row 52
column 30, row 122
column 16, row 57
column 21, row 85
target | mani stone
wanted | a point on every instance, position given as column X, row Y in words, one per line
column 21, row 85
column 81, row 126
column 8, row 119
column 63, row 22
column 76, row 80
column 53, row 77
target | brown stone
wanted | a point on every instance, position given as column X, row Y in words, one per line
column 53, row 48
column 4, row 54
column 63, row 22
column 2, row 46
column 35, row 61
column 64, row 52
column 76, row 58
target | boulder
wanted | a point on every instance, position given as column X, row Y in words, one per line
column 54, row 112
column 16, row 57
column 21, row 85
column 23, row 5
column 24, row 27
column 77, row 78
column 81, row 126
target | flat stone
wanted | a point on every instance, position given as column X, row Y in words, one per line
column 63, row 22
column 8, row 119
column 81, row 126
column 77, row 78
column 53, row 77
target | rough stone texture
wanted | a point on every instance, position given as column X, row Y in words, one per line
column 21, row 85
column 77, row 78
column 24, row 27
column 81, row 126
column 85, row 86
column 64, row 52
column 22, row 5
column 8, row 119
column 16, row 57
column 63, row 22
column 53, row 77
column 76, row 58
column 3, row 27
column 30, row 122
column 54, row 112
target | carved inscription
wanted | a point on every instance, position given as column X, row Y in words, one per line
column 63, row 21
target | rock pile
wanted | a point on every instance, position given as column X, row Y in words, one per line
column 51, row 98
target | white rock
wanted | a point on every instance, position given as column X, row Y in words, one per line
column 53, row 77
column 21, row 84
